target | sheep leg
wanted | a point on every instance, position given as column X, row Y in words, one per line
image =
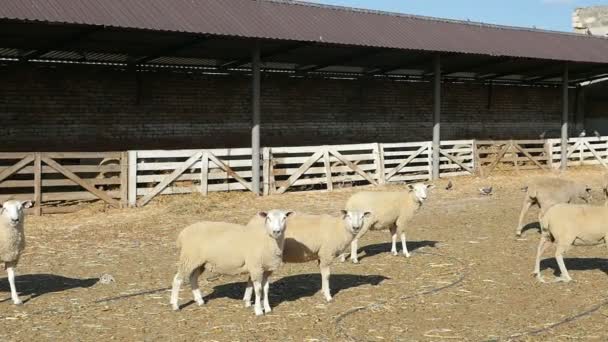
column 266, row 287
column 524, row 210
column 248, row 293
column 10, row 270
column 257, row 288
column 405, row 251
column 196, row 291
column 542, row 246
column 325, row 272
column 393, row 231
column 354, row 251
column 564, row 277
column 177, row 283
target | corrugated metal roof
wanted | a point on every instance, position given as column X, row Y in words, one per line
column 290, row 20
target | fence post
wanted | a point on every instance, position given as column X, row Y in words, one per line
column 379, row 161
column 205, row 173
column 327, row 164
column 266, row 171
column 124, row 179
column 474, row 156
column 37, row 184
column 132, row 196
column 431, row 161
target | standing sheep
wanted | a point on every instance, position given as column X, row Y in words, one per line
column 546, row 192
column 228, row 248
column 567, row 224
column 318, row 237
column 12, row 240
column 390, row 210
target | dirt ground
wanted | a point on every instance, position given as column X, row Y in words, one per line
column 469, row 278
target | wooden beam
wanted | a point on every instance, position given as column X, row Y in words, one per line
column 470, row 67
column 73, row 177
column 20, row 165
column 61, row 44
column 263, row 56
column 170, row 50
column 411, row 64
column 519, row 71
column 340, row 61
column 352, row 166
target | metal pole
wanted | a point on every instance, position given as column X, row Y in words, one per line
column 564, row 154
column 255, row 124
column 436, row 116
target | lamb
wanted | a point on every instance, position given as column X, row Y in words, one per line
column 567, row 224
column 318, row 237
column 228, row 248
column 12, row 240
column 546, row 192
column 390, row 210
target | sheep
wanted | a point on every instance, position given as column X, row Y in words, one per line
column 318, row 237
column 566, row 224
column 12, row 239
column 390, row 210
column 228, row 248
column 546, row 192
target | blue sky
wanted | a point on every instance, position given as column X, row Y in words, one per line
column 545, row 14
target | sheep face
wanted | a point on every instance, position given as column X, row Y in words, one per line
column 420, row 190
column 354, row 219
column 274, row 221
column 13, row 210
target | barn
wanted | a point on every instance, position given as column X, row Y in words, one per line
column 230, row 84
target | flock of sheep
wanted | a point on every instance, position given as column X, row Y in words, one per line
column 277, row 236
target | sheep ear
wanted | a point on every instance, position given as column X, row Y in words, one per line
column 367, row 214
column 289, row 213
column 263, row 214
column 26, row 204
column 343, row 213
column 430, row 186
column 410, row 186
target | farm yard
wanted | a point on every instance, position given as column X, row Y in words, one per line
column 469, row 277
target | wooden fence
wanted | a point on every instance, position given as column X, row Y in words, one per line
column 55, row 181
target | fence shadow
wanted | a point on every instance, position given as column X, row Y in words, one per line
column 35, row 285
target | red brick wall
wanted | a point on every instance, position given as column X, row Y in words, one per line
column 75, row 108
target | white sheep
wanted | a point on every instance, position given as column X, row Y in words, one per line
column 227, row 248
column 12, row 240
column 568, row 224
column 390, row 210
column 318, row 237
column 546, row 192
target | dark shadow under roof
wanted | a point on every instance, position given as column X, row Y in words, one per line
column 299, row 21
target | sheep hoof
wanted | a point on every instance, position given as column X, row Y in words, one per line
column 395, row 253
column 328, row 299
column 407, row 255
column 175, row 307
column 355, row 261
column 247, row 304
column 200, row 303
column 258, row 311
column 18, row 302
column 518, row 234
column 267, row 310
column 562, row 280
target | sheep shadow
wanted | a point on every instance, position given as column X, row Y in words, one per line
column 576, row 264
column 291, row 288
column 36, row 285
column 375, row 249
column 531, row 226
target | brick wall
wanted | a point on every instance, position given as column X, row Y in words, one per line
column 75, row 108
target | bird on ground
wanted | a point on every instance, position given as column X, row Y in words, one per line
column 449, row 186
column 486, row 191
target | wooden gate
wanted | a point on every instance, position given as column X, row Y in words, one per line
column 407, row 161
column 55, row 181
column 185, row 171
column 342, row 165
column 512, row 155
column 581, row 151
column 457, row 158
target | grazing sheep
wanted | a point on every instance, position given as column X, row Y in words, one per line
column 390, row 210
column 318, row 237
column 12, row 240
column 568, row 224
column 546, row 192
column 228, row 248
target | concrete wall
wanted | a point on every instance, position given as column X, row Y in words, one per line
column 76, row 108
column 591, row 20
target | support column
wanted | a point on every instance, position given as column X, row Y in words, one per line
column 564, row 152
column 436, row 116
column 255, row 120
